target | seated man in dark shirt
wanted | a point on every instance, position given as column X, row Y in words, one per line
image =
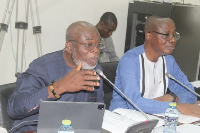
column 66, row 75
column 106, row 26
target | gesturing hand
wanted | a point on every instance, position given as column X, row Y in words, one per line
column 77, row 80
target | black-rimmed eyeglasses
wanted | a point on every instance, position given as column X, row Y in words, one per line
column 89, row 46
column 176, row 35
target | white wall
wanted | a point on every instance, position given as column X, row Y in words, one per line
column 55, row 17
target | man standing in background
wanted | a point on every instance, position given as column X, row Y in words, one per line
column 106, row 26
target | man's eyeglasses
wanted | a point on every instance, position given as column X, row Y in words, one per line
column 176, row 35
column 89, row 46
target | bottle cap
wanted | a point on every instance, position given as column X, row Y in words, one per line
column 172, row 104
column 66, row 122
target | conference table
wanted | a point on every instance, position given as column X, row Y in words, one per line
column 185, row 128
column 181, row 128
column 102, row 131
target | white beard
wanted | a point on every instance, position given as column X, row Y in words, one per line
column 84, row 64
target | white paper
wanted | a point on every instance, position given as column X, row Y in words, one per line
column 188, row 128
column 120, row 120
column 116, row 123
column 138, row 116
column 3, row 130
column 196, row 83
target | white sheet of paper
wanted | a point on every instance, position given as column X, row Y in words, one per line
column 137, row 116
column 116, row 123
column 188, row 128
column 3, row 130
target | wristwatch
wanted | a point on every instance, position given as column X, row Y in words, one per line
column 174, row 96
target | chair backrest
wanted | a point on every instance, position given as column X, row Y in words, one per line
column 109, row 70
column 5, row 92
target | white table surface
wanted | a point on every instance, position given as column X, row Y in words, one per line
column 186, row 128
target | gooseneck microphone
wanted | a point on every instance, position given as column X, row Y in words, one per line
column 99, row 72
column 171, row 77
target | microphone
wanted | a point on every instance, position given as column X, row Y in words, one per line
column 99, row 72
column 171, row 77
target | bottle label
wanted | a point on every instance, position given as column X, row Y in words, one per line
column 171, row 119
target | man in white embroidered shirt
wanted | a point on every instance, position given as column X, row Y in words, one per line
column 141, row 73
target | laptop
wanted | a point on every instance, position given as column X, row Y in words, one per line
column 86, row 117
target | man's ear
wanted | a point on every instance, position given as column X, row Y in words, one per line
column 68, row 47
column 148, row 36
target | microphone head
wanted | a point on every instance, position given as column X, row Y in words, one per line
column 100, row 73
column 169, row 75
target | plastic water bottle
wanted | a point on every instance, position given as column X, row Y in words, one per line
column 171, row 119
column 66, row 127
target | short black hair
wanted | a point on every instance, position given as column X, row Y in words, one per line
column 108, row 18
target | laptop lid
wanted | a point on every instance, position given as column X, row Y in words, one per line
column 86, row 117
